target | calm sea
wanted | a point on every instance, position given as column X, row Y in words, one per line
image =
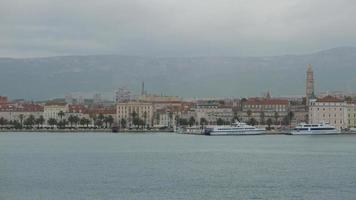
column 168, row 166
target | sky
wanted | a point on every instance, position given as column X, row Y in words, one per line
column 37, row 28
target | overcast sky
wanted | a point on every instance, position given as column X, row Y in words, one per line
column 174, row 27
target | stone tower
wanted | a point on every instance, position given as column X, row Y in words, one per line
column 310, row 84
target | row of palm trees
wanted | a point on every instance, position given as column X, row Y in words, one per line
column 73, row 121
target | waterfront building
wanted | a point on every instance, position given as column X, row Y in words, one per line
column 262, row 109
column 19, row 112
column 51, row 110
column 213, row 110
column 329, row 109
column 351, row 115
column 143, row 110
column 167, row 117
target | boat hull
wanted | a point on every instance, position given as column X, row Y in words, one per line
column 242, row 132
column 315, row 132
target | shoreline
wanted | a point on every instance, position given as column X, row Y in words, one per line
column 126, row 131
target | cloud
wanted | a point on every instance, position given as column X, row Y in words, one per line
column 174, row 27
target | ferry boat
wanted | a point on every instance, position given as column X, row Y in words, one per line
column 237, row 128
column 315, row 129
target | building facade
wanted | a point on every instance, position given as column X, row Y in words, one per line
column 331, row 110
column 51, row 110
column 351, row 115
column 143, row 110
column 263, row 109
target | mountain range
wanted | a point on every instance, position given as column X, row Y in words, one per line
column 48, row 77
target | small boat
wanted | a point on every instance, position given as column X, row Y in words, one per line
column 194, row 130
column 315, row 129
column 237, row 128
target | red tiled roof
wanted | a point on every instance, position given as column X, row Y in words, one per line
column 50, row 103
column 255, row 101
column 21, row 108
column 77, row 109
column 329, row 98
column 101, row 110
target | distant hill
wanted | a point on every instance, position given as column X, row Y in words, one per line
column 335, row 69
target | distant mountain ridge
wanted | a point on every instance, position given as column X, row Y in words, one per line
column 37, row 78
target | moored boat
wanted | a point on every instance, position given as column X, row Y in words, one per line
column 315, row 129
column 237, row 128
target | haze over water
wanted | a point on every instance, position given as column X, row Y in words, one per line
column 169, row 166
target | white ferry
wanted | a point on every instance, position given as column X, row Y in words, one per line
column 237, row 128
column 315, row 129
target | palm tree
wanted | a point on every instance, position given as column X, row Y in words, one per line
column 52, row 122
column 83, row 121
column 76, row 120
column 61, row 114
column 170, row 116
column 21, row 117
column 93, row 118
column 203, row 121
column 219, row 121
column 39, row 121
column 290, row 116
column 71, row 120
column 144, row 118
column 133, row 117
column 276, row 116
column 236, row 117
column 252, row 121
column 249, row 114
column 262, row 117
column 269, row 123
column 123, row 123
column 191, row 121
column 63, row 123
column 30, row 121
column 110, row 120
column 157, row 116
column 3, row 121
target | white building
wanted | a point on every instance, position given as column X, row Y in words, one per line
column 329, row 109
column 143, row 110
column 51, row 110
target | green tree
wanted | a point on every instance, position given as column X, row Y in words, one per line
column 191, row 121
column 21, row 118
column 220, row 122
column 40, row 121
column 235, row 118
column 3, row 121
column 249, row 113
column 170, row 116
column 83, row 121
column 123, row 123
column 262, row 117
column 203, row 122
column 71, row 120
column 62, row 123
column 157, row 117
column 269, row 123
column 144, row 118
column 52, row 122
column 61, row 114
column 252, row 122
column 276, row 117
column 109, row 120
column 29, row 121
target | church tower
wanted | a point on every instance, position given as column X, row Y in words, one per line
column 310, row 84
